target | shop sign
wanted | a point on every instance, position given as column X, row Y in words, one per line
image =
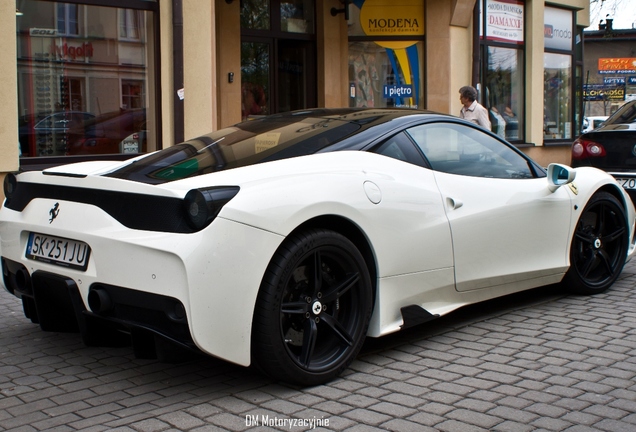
column 602, row 92
column 72, row 51
column 392, row 17
column 625, row 65
column 614, row 81
column 41, row 32
column 557, row 28
column 398, row 91
column 631, row 80
column 504, row 21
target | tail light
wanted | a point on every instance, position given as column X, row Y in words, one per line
column 9, row 186
column 583, row 148
column 202, row 205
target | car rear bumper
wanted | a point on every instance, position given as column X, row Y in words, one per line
column 54, row 302
column 198, row 289
column 628, row 181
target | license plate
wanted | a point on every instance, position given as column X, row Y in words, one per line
column 627, row 183
column 57, row 250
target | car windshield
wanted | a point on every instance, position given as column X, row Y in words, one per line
column 625, row 114
column 248, row 143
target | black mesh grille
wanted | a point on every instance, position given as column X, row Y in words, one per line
column 136, row 211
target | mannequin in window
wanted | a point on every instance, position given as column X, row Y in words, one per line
column 512, row 124
column 253, row 100
column 498, row 122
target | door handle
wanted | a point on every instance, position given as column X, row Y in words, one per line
column 453, row 203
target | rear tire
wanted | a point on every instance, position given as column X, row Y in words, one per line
column 313, row 309
column 599, row 246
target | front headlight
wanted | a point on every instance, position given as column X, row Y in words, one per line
column 202, row 205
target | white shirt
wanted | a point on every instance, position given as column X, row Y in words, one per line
column 476, row 114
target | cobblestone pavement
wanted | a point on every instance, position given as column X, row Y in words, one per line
column 535, row 361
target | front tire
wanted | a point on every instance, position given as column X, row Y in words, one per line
column 599, row 246
column 313, row 309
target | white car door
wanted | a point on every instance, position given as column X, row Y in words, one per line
column 507, row 226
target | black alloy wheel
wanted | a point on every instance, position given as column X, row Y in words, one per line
column 599, row 246
column 313, row 309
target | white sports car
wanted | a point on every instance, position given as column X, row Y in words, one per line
column 283, row 242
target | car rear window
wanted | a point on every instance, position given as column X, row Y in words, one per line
column 625, row 114
column 248, row 143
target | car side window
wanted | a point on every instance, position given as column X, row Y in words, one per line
column 459, row 149
column 400, row 147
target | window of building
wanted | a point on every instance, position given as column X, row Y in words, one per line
column 558, row 75
column 67, row 19
column 130, row 24
column 132, row 94
column 501, row 85
column 386, row 52
column 278, row 56
column 86, row 78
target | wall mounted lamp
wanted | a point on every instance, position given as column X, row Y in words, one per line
column 344, row 10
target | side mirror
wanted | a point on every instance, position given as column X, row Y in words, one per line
column 559, row 175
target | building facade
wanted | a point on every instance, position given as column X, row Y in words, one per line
column 111, row 78
column 609, row 69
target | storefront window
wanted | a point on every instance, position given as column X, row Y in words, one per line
column 383, row 77
column 504, row 85
column 558, row 69
column 278, row 56
column 67, row 20
column 297, row 16
column 255, row 14
column 501, row 85
column 255, row 79
column 86, row 78
column 557, row 96
column 386, row 52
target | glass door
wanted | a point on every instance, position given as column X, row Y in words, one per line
column 296, row 81
column 255, row 79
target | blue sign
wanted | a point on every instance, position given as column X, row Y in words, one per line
column 612, row 80
column 631, row 80
column 398, row 91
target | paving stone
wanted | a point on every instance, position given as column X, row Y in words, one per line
column 554, row 363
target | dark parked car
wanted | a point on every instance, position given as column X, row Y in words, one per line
column 109, row 133
column 611, row 147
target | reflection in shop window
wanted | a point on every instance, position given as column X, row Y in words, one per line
column 557, row 99
column 87, row 94
column 381, row 76
column 67, row 19
column 132, row 94
column 297, row 16
column 503, row 90
column 129, row 23
column 255, row 14
column 255, row 79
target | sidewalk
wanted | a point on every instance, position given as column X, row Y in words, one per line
column 534, row 361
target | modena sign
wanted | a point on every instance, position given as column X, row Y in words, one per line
column 392, row 17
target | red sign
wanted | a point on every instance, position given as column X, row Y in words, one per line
column 617, row 64
column 66, row 50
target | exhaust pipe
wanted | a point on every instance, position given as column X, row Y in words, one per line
column 99, row 300
column 22, row 279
